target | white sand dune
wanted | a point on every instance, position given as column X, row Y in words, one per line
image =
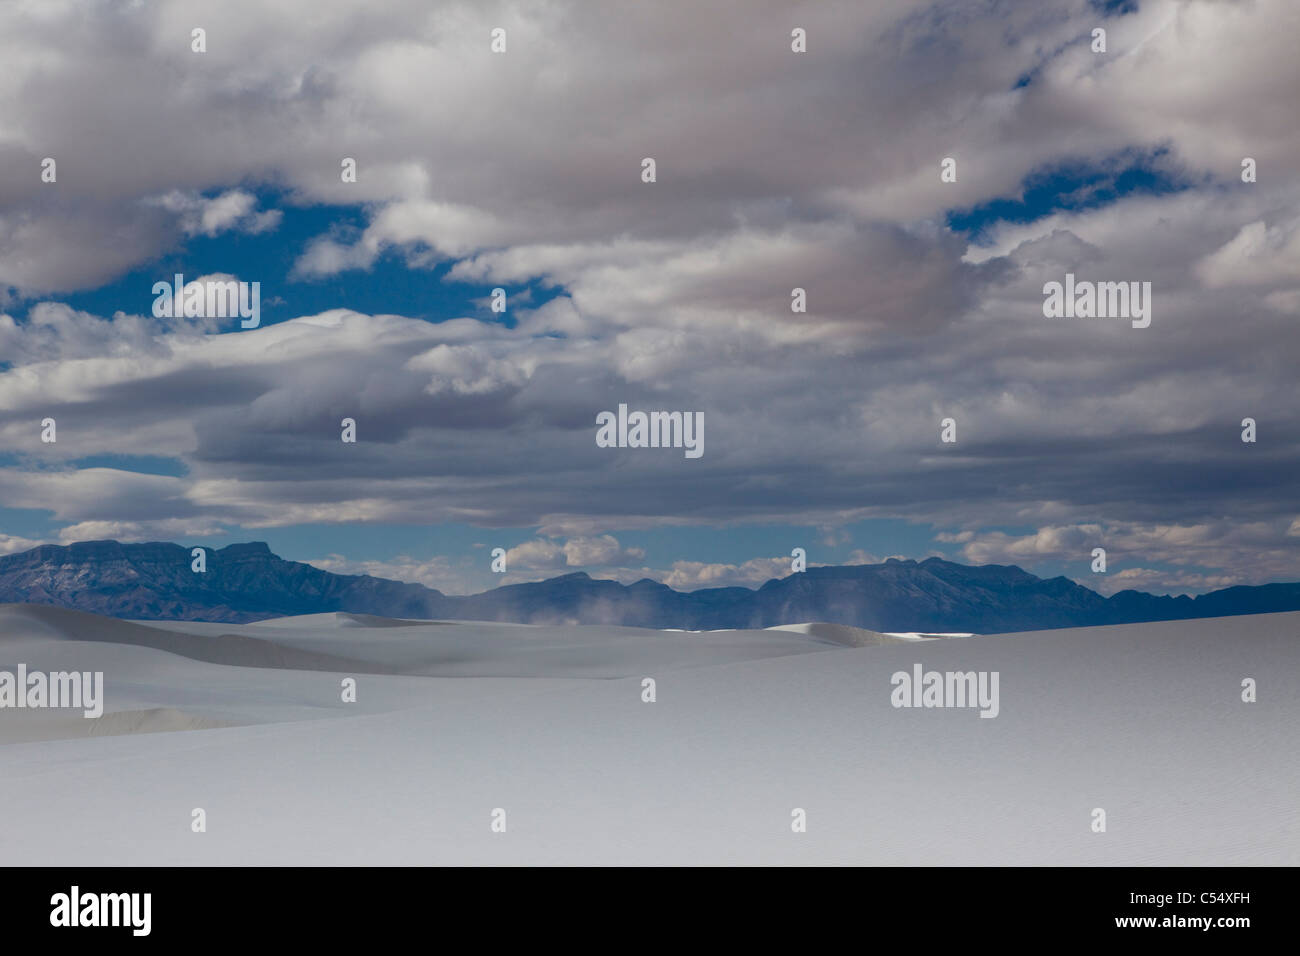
column 841, row 634
column 291, row 668
column 30, row 725
column 453, row 720
column 457, row 648
column 926, row 635
column 339, row 619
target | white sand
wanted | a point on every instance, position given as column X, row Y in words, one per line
column 453, row 720
column 841, row 634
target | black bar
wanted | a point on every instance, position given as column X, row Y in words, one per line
column 374, row 905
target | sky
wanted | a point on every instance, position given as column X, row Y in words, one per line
column 522, row 170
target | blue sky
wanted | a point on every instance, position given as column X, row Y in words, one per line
column 388, row 286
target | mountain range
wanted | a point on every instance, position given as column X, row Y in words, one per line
column 247, row 582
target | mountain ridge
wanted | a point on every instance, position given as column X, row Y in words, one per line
column 247, row 582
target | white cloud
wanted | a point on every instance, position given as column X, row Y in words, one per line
column 692, row 575
column 233, row 210
column 603, row 551
column 1155, row 581
column 1250, row 552
column 1259, row 254
column 13, row 544
column 440, row 573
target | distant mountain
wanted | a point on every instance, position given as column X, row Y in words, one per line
column 246, row 582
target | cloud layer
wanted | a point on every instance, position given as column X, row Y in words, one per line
column 776, row 170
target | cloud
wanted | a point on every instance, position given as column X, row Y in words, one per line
column 177, row 529
column 1155, row 581
column 1258, row 255
column 1253, row 552
column 858, row 556
column 603, row 551
column 692, row 575
column 463, row 152
column 440, row 573
column 13, row 544
column 233, row 210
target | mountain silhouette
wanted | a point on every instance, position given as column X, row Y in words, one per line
column 247, row 582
